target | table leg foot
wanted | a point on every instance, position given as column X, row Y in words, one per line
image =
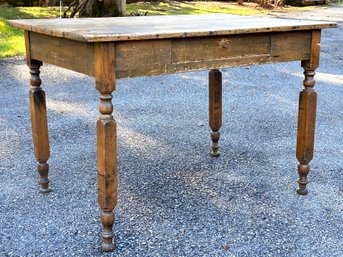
column 215, row 109
column 107, row 220
column 302, row 191
column 43, row 169
column 107, row 247
column 303, row 170
column 306, row 127
column 215, row 135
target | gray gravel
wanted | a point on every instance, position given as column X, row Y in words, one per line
column 175, row 200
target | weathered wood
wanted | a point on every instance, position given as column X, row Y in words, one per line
column 179, row 55
column 39, row 125
column 293, row 45
column 173, row 55
column 104, row 67
column 106, row 140
column 136, row 58
column 219, row 47
column 159, row 27
column 39, row 122
column 185, row 54
column 48, row 48
column 313, row 62
column 139, row 46
column 307, row 115
column 306, row 127
column 215, row 109
column 28, row 47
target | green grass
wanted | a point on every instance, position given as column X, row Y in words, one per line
column 195, row 7
column 12, row 40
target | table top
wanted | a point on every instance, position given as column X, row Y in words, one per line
column 157, row 27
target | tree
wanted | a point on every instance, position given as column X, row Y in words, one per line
column 96, row 8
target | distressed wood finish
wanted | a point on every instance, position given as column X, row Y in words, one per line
column 106, row 140
column 181, row 55
column 49, row 49
column 215, row 109
column 168, row 56
column 39, row 123
column 307, row 115
column 158, row 27
column 289, row 46
column 219, row 47
column 112, row 48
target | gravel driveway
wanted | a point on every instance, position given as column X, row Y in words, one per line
column 175, row 200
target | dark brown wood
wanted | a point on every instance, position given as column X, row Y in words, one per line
column 106, row 140
column 215, row 108
column 307, row 115
column 103, row 8
column 39, row 123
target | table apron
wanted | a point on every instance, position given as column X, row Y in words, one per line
column 166, row 56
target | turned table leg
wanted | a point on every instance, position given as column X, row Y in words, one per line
column 307, row 114
column 306, row 128
column 106, row 141
column 39, row 124
column 215, row 109
column 107, row 168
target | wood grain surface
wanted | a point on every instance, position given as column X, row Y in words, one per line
column 168, row 26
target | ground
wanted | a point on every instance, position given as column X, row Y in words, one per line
column 175, row 200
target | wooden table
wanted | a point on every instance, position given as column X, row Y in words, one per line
column 110, row 48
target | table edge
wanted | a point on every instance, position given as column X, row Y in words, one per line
column 99, row 38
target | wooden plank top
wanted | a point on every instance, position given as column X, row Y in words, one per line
column 157, row 27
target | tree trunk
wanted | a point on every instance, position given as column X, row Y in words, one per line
column 103, row 8
column 240, row 2
column 44, row 3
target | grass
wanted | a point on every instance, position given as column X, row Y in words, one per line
column 12, row 41
column 194, row 7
